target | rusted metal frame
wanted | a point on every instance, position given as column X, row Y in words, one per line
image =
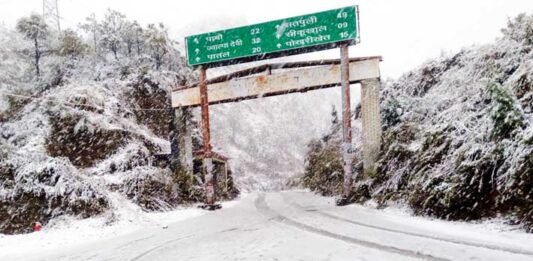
column 303, row 90
column 346, row 122
column 275, row 66
column 206, row 133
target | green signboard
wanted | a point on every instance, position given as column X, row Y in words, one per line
column 293, row 35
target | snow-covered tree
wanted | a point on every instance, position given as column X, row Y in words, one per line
column 92, row 26
column 71, row 44
column 132, row 37
column 520, row 29
column 35, row 29
column 111, row 30
column 138, row 32
column 157, row 43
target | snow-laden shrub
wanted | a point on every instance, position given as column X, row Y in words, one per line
column 152, row 104
column 159, row 189
column 390, row 113
column 83, row 144
column 126, row 158
column 504, row 113
column 150, row 188
column 516, row 180
column 38, row 189
column 323, row 170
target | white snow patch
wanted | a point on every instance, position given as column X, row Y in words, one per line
column 69, row 232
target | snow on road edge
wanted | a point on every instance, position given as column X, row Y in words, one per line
column 69, row 232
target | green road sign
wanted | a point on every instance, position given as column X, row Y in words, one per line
column 287, row 36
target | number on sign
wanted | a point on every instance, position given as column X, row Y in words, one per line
column 255, row 31
column 256, row 40
column 256, row 49
column 344, row 34
column 342, row 25
column 342, row 15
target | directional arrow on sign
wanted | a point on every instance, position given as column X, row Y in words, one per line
column 197, row 50
column 278, row 45
column 196, row 41
column 197, row 59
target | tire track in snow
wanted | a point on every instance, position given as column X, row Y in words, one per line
column 262, row 206
column 453, row 241
column 145, row 253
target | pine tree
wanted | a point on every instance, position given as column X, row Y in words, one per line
column 111, row 29
column 35, row 29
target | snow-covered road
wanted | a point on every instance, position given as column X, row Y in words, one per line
column 299, row 225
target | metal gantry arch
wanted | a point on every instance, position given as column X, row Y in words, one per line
column 288, row 78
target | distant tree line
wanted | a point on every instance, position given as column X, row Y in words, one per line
column 114, row 35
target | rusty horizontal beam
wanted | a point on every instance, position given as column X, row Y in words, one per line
column 276, row 66
column 299, row 80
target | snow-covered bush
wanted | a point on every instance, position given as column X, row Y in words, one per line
column 504, row 113
column 391, row 112
column 71, row 45
column 158, row 189
column 39, row 188
column 323, row 171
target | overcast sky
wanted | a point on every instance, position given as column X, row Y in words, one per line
column 405, row 33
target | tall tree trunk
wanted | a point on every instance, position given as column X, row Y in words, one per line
column 138, row 43
column 95, row 42
column 158, row 61
column 114, row 49
column 130, row 47
column 37, row 57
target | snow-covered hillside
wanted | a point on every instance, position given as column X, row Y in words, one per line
column 86, row 126
column 458, row 139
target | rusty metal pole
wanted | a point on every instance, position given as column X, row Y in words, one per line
column 347, row 152
column 208, row 160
